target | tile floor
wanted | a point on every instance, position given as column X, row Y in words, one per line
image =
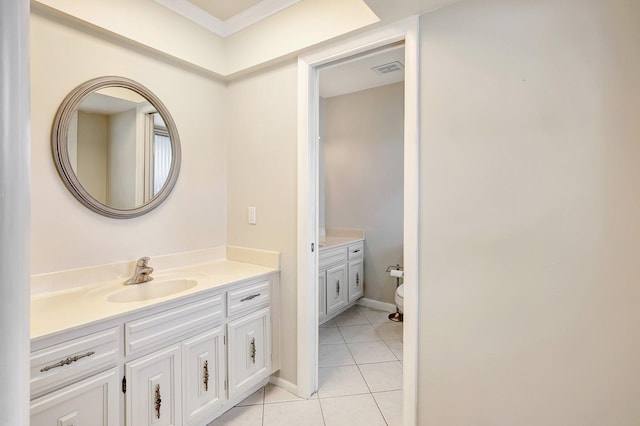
column 360, row 379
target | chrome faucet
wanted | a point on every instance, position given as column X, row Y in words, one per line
column 142, row 273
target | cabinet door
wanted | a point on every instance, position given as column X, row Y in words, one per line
column 203, row 374
column 249, row 350
column 337, row 288
column 356, row 288
column 322, row 296
column 93, row 401
column 153, row 389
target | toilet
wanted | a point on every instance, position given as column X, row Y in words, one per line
column 400, row 298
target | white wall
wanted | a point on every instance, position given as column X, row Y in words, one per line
column 67, row 235
column 530, row 213
column 363, row 175
column 262, row 134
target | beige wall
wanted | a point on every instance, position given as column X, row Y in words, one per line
column 123, row 162
column 363, row 176
column 530, row 213
column 67, row 235
column 92, row 152
column 262, row 158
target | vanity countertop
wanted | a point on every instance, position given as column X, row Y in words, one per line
column 331, row 241
column 336, row 237
column 52, row 313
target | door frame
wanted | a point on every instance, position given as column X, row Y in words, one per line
column 307, row 253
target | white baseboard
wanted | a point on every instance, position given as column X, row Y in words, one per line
column 376, row 304
column 284, row 384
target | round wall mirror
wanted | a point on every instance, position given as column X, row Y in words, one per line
column 116, row 147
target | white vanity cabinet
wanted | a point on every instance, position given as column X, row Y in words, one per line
column 322, row 296
column 249, row 351
column 249, row 333
column 93, row 401
column 172, row 364
column 203, row 374
column 337, row 288
column 340, row 278
column 65, row 388
column 153, row 390
column 356, row 270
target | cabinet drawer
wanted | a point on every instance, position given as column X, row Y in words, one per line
column 328, row 257
column 356, row 251
column 247, row 299
column 172, row 325
column 67, row 361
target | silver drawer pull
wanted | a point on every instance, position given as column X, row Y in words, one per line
column 158, row 402
column 66, row 361
column 205, row 378
column 253, row 296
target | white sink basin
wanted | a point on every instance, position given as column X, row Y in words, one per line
column 152, row 290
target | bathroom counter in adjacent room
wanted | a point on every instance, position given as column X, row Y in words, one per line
column 340, row 236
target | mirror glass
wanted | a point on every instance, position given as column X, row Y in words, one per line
column 116, row 147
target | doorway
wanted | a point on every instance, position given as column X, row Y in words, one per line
column 308, row 202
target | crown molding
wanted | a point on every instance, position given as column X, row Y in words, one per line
column 242, row 20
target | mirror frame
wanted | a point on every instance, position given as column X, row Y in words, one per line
column 60, row 151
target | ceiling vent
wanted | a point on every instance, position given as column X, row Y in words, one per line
column 388, row 68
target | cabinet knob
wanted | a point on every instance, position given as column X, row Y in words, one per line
column 338, row 287
column 358, row 279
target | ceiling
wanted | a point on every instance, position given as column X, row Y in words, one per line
column 230, row 38
column 355, row 74
column 224, row 9
column 226, row 17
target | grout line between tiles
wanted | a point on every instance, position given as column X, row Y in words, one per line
column 375, row 401
column 324, row 422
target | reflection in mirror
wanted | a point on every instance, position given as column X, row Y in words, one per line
column 116, row 147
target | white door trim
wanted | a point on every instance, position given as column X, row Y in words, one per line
column 15, row 159
column 308, row 95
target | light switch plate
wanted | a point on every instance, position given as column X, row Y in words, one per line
column 252, row 215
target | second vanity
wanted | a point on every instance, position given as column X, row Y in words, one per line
column 340, row 271
column 178, row 350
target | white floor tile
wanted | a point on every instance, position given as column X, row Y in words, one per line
column 329, row 335
column 376, row 316
column 273, row 393
column 390, row 330
column 340, row 381
column 359, row 333
column 351, row 316
column 396, row 347
column 334, row 355
column 383, row 376
column 330, row 323
column 368, row 352
column 297, row 413
column 240, row 416
column 390, row 403
column 358, row 410
column 254, row 399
